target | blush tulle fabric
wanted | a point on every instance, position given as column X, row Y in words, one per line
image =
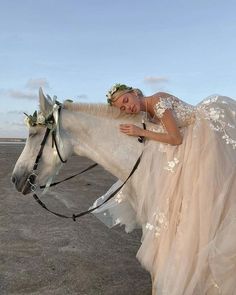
column 184, row 199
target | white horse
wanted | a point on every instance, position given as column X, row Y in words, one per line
column 90, row 130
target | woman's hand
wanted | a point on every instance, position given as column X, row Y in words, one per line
column 131, row 129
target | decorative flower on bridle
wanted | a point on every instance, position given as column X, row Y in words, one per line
column 114, row 89
column 39, row 119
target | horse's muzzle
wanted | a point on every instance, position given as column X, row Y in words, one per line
column 24, row 183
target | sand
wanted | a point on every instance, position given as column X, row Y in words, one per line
column 42, row 254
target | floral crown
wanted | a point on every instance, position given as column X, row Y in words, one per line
column 114, row 89
column 39, row 119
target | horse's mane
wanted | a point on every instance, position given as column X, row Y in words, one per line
column 98, row 109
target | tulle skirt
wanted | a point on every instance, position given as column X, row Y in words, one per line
column 184, row 199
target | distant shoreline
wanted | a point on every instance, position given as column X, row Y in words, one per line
column 12, row 140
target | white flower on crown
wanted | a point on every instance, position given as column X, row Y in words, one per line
column 115, row 88
column 40, row 119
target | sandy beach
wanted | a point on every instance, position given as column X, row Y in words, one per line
column 42, row 254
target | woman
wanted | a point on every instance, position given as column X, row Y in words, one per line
column 132, row 101
column 187, row 197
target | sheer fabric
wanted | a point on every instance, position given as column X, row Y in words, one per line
column 185, row 201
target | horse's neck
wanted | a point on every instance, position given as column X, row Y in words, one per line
column 99, row 139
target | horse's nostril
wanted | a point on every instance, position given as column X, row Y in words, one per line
column 14, row 179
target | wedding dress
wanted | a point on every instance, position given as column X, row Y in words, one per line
column 185, row 201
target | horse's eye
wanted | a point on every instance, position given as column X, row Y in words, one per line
column 32, row 134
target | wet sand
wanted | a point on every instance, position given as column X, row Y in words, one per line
column 42, row 254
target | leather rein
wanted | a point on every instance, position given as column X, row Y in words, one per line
column 33, row 175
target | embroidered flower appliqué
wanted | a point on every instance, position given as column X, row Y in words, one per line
column 210, row 99
column 216, row 116
column 162, row 106
column 171, row 165
column 119, row 197
column 160, row 223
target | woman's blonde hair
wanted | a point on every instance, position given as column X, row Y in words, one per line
column 119, row 89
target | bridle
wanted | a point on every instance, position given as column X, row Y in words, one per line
column 33, row 174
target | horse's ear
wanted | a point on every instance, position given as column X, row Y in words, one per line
column 44, row 103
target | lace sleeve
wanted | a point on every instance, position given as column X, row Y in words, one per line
column 162, row 106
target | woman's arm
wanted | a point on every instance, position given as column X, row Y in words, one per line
column 172, row 136
column 134, row 130
column 164, row 113
column 162, row 107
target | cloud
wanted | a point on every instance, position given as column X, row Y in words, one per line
column 17, row 124
column 21, row 94
column 82, row 96
column 155, row 80
column 13, row 129
column 14, row 123
column 29, row 93
column 17, row 127
column 33, row 84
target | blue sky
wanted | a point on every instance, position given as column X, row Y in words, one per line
column 79, row 49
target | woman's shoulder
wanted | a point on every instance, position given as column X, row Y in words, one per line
column 161, row 101
column 160, row 98
column 164, row 98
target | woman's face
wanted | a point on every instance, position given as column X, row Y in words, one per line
column 128, row 102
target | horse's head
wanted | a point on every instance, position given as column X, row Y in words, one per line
column 49, row 162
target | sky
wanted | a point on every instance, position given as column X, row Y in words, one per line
column 77, row 49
